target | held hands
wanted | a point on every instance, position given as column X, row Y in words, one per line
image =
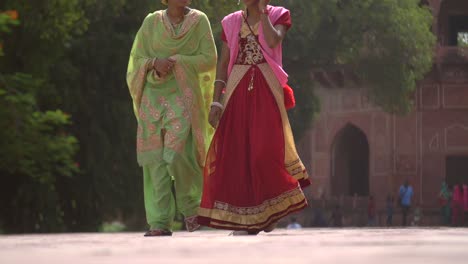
column 164, row 66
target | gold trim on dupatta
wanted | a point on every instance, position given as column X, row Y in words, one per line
column 238, row 72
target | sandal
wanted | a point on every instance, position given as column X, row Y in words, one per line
column 158, row 233
column 191, row 223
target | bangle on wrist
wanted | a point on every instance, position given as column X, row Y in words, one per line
column 221, row 81
column 217, row 104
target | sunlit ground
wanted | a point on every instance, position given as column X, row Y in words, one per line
column 306, row 246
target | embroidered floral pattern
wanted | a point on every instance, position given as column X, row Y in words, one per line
column 142, row 115
column 149, row 144
column 155, row 114
column 170, row 113
column 180, row 101
column 173, row 142
column 152, row 128
column 160, row 110
column 140, row 131
column 177, row 126
column 250, row 53
column 145, row 101
column 166, row 113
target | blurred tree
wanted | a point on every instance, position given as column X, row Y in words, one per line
column 388, row 43
column 35, row 150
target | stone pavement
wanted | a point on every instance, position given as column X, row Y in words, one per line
column 318, row 246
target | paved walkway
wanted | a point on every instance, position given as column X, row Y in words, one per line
column 318, row 246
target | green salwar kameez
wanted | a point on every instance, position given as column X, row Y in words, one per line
column 173, row 131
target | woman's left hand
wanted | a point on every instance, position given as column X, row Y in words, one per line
column 262, row 4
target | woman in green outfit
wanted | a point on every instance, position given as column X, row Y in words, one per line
column 170, row 76
column 445, row 196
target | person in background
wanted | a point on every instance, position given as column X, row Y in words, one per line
column 319, row 218
column 356, row 214
column 390, row 204
column 405, row 195
column 336, row 219
column 371, row 214
column 465, row 202
column 444, row 201
column 294, row 225
column 417, row 216
column 457, row 206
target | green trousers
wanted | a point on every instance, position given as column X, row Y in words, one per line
column 184, row 174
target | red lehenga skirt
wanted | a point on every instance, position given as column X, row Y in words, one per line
column 247, row 185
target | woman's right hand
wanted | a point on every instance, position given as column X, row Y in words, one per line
column 164, row 66
column 214, row 116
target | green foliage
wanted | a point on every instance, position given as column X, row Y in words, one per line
column 46, row 31
column 6, row 23
column 462, row 39
column 387, row 42
column 34, row 152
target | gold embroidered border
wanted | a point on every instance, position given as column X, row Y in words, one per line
column 238, row 72
column 253, row 215
column 256, row 209
column 261, row 226
column 137, row 86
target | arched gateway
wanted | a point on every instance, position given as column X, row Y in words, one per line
column 350, row 163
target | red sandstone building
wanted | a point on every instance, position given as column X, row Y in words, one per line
column 354, row 147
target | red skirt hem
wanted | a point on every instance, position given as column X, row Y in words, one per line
column 210, row 222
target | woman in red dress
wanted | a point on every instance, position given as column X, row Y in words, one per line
column 253, row 175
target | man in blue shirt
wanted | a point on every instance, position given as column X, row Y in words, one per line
column 405, row 195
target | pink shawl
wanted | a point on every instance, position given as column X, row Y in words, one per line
column 232, row 25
